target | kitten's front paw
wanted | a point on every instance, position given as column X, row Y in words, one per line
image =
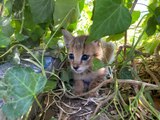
column 102, row 72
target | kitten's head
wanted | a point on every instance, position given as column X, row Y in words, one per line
column 80, row 53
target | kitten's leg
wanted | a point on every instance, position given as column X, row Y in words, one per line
column 97, row 77
column 78, row 87
column 94, row 83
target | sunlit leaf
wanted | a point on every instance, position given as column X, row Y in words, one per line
column 110, row 17
column 23, row 86
column 135, row 16
column 151, row 45
column 97, row 64
column 115, row 37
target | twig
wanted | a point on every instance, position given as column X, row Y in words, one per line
column 133, row 6
column 85, row 114
column 102, row 103
column 125, row 43
column 125, row 37
column 120, row 81
column 152, row 75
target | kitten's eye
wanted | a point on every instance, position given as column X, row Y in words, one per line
column 85, row 57
column 71, row 56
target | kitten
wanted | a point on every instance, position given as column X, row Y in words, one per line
column 81, row 55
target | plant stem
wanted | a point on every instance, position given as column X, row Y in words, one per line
column 43, row 71
column 37, row 101
column 20, row 45
column 125, row 37
column 133, row 6
column 125, row 43
column 23, row 8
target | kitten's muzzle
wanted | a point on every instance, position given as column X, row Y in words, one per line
column 75, row 67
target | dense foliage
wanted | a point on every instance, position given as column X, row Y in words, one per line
column 31, row 27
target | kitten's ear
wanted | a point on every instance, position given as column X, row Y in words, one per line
column 96, row 43
column 67, row 37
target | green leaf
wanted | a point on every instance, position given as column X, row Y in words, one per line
column 115, row 37
column 17, row 5
column 21, row 37
column 42, row 10
column 50, row 85
column 81, row 4
column 125, row 73
column 97, row 64
column 157, row 13
column 23, row 84
column 68, row 9
column 8, row 6
column 110, row 17
column 3, row 89
column 151, row 26
column 135, row 16
column 65, row 76
column 7, row 30
column 4, row 40
column 28, row 21
column 5, row 23
column 150, row 45
column 36, row 33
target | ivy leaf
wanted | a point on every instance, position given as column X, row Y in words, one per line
column 4, row 40
column 110, row 17
column 50, row 85
column 21, row 37
column 115, row 37
column 23, row 86
column 97, row 64
column 6, row 28
column 42, row 10
column 68, row 9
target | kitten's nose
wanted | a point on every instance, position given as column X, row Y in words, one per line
column 75, row 67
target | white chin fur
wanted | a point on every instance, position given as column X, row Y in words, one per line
column 79, row 70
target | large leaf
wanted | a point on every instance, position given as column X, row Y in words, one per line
column 68, row 9
column 42, row 10
column 4, row 40
column 110, row 17
column 23, row 86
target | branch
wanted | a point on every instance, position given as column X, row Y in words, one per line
column 120, row 81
